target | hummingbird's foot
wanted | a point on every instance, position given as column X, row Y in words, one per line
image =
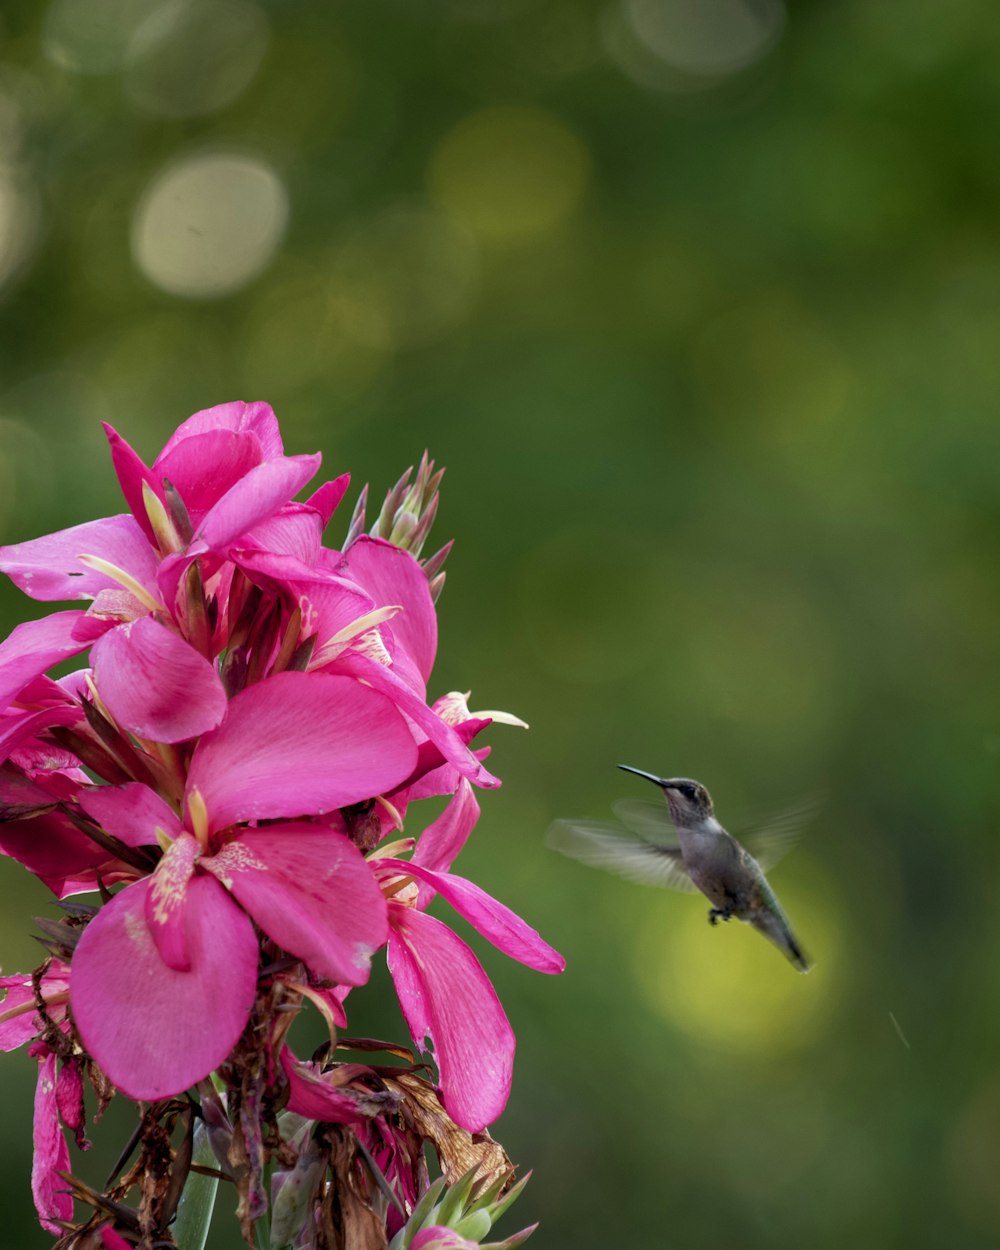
column 719, row 913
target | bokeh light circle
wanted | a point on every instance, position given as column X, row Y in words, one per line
column 91, row 36
column 191, row 58
column 706, row 37
column 209, row 223
column 510, row 172
column 19, row 221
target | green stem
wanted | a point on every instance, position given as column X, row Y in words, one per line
column 262, row 1227
column 194, row 1212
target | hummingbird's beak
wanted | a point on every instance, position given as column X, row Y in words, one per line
column 657, row 781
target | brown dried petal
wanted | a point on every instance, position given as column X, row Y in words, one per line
column 347, row 1222
column 457, row 1148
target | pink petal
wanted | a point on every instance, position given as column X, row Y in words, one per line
column 433, row 775
column 154, row 1030
column 391, row 575
column 312, row 891
column 331, row 604
column 170, row 575
column 403, row 664
column 49, row 568
column 273, row 570
column 43, row 691
column 294, row 531
column 18, row 991
column 52, row 1200
column 497, row 923
column 69, row 1097
column 168, row 899
column 155, row 684
column 37, row 777
column 447, row 997
column 73, row 686
column 132, row 813
column 20, row 1028
column 116, row 604
column 444, row 736
column 300, row 744
column 326, row 499
column 334, row 998
column 205, row 466
column 441, row 841
column 132, row 472
column 51, row 847
column 111, row 1240
column 257, row 495
column 35, row 646
column 18, row 727
column 256, row 418
column 312, row 1096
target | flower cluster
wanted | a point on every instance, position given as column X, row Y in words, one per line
column 229, row 771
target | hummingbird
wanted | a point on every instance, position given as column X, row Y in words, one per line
column 707, row 858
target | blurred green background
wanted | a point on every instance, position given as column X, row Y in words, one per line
column 699, row 302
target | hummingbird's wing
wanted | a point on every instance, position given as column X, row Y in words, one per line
column 648, row 819
column 602, row 846
column 770, row 840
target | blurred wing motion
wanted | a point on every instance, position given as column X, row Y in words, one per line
column 770, row 840
column 602, row 846
column 648, row 819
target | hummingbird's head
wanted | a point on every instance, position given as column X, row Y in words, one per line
column 689, row 802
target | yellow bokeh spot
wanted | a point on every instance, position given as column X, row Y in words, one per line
column 510, row 173
column 729, row 986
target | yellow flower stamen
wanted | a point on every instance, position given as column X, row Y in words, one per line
column 392, row 850
column 396, row 886
column 166, row 534
column 123, row 579
column 335, row 644
column 198, row 817
column 394, row 815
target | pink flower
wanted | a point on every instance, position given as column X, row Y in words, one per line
column 253, row 722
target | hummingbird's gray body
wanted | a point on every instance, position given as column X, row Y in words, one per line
column 708, row 859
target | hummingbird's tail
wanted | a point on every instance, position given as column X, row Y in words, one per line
column 776, row 929
column 796, row 955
